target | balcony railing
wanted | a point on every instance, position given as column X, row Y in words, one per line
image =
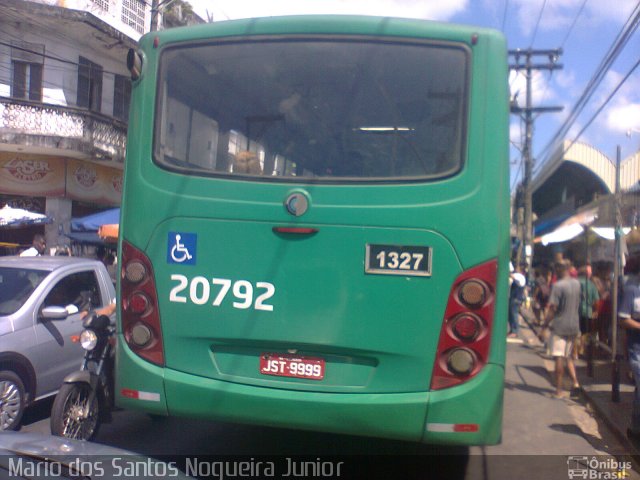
column 31, row 124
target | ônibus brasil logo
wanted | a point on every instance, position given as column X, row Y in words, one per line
column 597, row 468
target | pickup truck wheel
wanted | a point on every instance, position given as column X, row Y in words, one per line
column 12, row 400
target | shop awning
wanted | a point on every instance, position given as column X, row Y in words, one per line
column 91, row 223
column 88, row 229
column 109, row 233
column 569, row 228
column 609, row 233
column 549, row 225
column 562, row 234
column 18, row 217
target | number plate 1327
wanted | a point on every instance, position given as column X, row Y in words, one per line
column 398, row 260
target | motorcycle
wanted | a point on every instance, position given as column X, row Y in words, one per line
column 85, row 399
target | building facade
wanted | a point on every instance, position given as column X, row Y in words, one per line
column 64, row 100
column 574, row 204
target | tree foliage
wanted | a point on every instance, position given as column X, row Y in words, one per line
column 178, row 13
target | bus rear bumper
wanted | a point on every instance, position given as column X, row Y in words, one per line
column 468, row 414
column 399, row 416
column 429, row 417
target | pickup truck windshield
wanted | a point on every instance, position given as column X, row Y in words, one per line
column 313, row 109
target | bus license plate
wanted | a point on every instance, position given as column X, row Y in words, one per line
column 292, row 366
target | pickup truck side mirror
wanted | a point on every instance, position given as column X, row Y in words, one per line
column 54, row 313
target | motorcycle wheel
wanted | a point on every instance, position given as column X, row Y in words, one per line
column 67, row 418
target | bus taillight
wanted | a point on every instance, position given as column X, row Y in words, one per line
column 467, row 326
column 465, row 336
column 140, row 316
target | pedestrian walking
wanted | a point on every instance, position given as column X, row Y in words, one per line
column 589, row 297
column 629, row 318
column 541, row 292
column 602, row 278
column 562, row 316
column 516, row 297
column 37, row 248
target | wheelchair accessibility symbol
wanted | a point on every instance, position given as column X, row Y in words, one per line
column 181, row 248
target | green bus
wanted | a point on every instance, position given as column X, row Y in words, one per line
column 315, row 227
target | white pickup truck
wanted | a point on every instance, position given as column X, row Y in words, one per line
column 42, row 300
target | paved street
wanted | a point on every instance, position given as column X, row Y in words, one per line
column 540, row 433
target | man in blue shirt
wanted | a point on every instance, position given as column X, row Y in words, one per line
column 629, row 318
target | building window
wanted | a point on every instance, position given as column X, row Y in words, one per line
column 103, row 4
column 121, row 97
column 89, row 85
column 133, row 14
column 26, row 64
column 27, row 81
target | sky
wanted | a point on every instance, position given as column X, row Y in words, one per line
column 586, row 30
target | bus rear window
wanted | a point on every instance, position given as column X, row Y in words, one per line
column 313, row 110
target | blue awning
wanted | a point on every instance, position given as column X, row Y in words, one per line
column 546, row 226
column 91, row 223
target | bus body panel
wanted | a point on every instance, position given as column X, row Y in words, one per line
column 377, row 333
column 403, row 416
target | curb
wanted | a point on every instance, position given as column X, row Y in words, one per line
column 633, row 451
column 530, row 338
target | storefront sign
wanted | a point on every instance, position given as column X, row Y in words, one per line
column 93, row 183
column 34, row 175
column 45, row 176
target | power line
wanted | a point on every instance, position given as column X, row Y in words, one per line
column 46, row 85
column 516, row 177
column 573, row 24
column 524, row 61
column 504, row 15
column 564, row 41
column 46, row 29
column 604, row 104
column 620, row 42
column 535, row 30
column 45, row 55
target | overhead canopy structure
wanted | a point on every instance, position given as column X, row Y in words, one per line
column 18, row 217
column 569, row 228
column 609, row 233
column 547, row 226
column 575, row 225
column 562, row 234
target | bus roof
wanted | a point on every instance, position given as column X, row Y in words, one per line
column 327, row 25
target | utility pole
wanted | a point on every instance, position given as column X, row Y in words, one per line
column 616, row 359
column 155, row 7
column 523, row 61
